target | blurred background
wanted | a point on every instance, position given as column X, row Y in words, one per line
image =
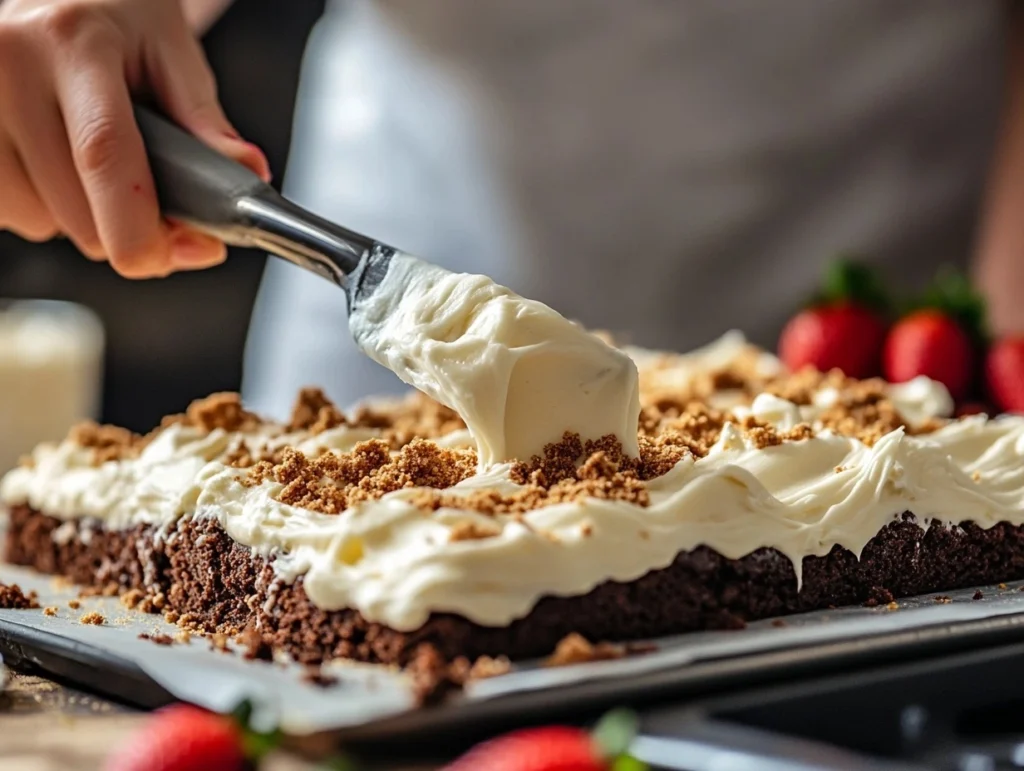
column 665, row 171
column 169, row 341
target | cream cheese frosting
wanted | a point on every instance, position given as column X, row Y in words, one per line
column 516, row 371
column 397, row 563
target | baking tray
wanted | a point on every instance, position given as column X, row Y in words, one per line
column 112, row 662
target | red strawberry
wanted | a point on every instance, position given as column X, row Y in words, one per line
column 844, row 336
column 555, row 748
column 1004, row 373
column 971, row 408
column 182, row 738
column 931, row 343
column 941, row 339
column 843, row 329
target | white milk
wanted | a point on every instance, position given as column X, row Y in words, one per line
column 51, row 356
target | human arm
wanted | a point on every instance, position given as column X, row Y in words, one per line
column 999, row 259
column 72, row 160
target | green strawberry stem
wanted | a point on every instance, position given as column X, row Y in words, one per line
column 613, row 735
column 255, row 744
column 847, row 280
column 951, row 293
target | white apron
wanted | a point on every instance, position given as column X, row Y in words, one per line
column 663, row 169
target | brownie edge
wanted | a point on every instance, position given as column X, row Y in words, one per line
column 213, row 583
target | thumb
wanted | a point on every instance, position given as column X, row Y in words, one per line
column 185, row 87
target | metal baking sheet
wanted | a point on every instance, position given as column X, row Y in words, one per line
column 374, row 702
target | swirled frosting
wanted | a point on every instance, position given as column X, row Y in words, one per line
column 801, row 492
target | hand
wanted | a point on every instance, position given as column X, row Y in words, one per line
column 72, row 160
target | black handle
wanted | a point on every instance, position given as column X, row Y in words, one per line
column 194, row 182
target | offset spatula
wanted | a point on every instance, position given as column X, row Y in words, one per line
column 216, row 195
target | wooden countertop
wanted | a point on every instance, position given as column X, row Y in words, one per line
column 45, row 726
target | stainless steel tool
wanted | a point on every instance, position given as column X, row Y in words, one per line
column 216, row 195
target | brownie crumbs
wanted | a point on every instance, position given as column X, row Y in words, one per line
column 108, row 443
column 943, row 599
column 315, row 413
column 159, row 639
column 256, row 646
column 881, row 596
column 779, row 622
column 575, row 649
column 978, row 595
column 316, row 676
column 93, row 618
column 332, row 483
column 13, row 598
column 74, row 604
column 870, row 602
column 50, row 611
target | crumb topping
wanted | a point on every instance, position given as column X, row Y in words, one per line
column 221, row 410
column 331, row 483
column 415, row 417
column 93, row 618
column 315, row 413
column 108, row 443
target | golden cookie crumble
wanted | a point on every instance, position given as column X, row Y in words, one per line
column 331, row 483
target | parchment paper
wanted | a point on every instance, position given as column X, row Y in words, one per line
column 194, row 672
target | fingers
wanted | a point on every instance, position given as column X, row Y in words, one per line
column 22, row 211
column 183, row 83
column 191, row 250
column 110, row 160
column 38, row 130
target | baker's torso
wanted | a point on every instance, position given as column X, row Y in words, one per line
column 659, row 168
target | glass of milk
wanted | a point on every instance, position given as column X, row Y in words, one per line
column 51, row 373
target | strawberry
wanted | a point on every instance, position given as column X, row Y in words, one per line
column 557, row 748
column 553, row 748
column 1004, row 373
column 182, row 738
column 940, row 339
column 843, row 328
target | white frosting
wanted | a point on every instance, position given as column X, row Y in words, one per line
column 396, row 563
column 518, row 373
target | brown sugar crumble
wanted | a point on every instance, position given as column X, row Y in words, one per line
column 108, row 443
column 74, row 604
column 332, row 483
column 943, row 599
column 13, row 598
column 93, row 618
column 50, row 611
column 978, row 595
column 315, row 413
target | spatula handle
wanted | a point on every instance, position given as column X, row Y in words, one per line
column 194, row 182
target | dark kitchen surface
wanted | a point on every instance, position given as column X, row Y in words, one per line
column 173, row 340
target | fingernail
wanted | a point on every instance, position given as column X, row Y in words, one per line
column 257, row 160
column 190, row 249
